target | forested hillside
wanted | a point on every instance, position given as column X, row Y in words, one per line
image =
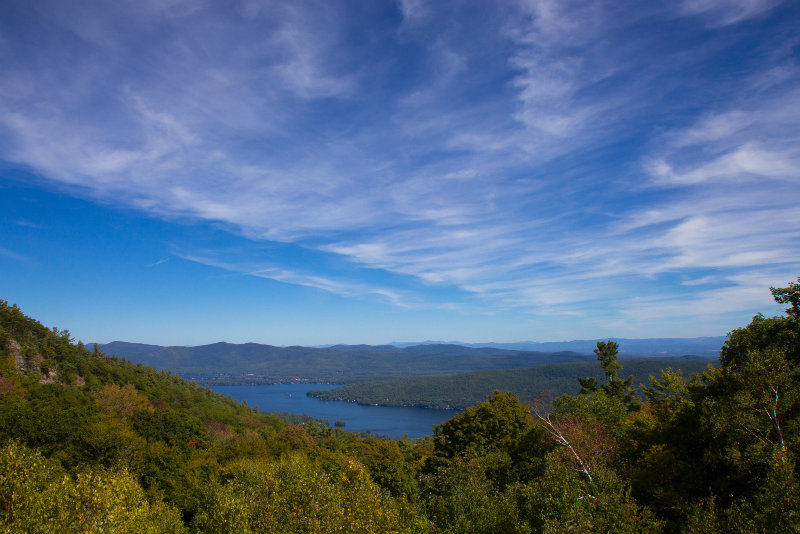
column 267, row 363
column 90, row 443
column 462, row 390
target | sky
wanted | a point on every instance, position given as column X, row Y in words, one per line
column 182, row 172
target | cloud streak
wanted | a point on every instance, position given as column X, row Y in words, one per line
column 542, row 156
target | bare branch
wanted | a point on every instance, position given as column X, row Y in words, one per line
column 555, row 433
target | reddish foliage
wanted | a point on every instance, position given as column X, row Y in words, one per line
column 217, row 426
column 296, row 438
column 6, row 385
column 159, row 404
column 590, row 440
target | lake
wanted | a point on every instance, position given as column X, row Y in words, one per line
column 389, row 420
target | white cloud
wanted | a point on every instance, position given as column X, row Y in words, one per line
column 554, row 68
column 747, row 162
column 342, row 287
column 724, row 12
column 273, row 125
column 413, row 9
column 756, row 140
column 303, row 40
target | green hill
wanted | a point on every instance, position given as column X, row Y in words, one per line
column 462, row 390
column 267, row 363
column 93, row 443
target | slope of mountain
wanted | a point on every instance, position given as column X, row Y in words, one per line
column 462, row 390
column 340, row 364
column 84, row 432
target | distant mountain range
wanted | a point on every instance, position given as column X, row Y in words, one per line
column 333, row 364
column 349, row 363
column 707, row 347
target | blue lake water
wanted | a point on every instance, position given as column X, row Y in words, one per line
column 292, row 398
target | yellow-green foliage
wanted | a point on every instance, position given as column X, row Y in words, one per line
column 108, row 501
column 563, row 501
column 35, row 493
column 460, row 499
column 37, row 496
column 294, row 495
column 121, row 401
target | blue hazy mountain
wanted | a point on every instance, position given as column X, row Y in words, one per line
column 707, row 347
column 347, row 362
column 338, row 363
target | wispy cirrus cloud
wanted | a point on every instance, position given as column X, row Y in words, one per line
column 293, row 275
column 724, row 12
column 543, row 156
column 16, row 256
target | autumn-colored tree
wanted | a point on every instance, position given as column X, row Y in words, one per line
column 121, row 402
column 293, row 495
column 38, row 497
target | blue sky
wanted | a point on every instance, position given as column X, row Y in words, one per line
column 185, row 172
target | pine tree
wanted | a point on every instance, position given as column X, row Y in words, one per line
column 607, row 354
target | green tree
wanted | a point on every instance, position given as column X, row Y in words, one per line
column 775, row 507
column 112, row 501
column 178, row 428
column 112, row 442
column 561, row 501
column 460, row 499
column 789, row 295
column 666, row 449
column 749, row 413
column 608, row 354
column 500, row 432
column 293, row 495
column 781, row 333
column 37, row 496
column 388, row 465
column 716, row 452
column 35, row 493
column 496, row 424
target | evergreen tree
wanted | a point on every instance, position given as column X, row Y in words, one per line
column 607, row 354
